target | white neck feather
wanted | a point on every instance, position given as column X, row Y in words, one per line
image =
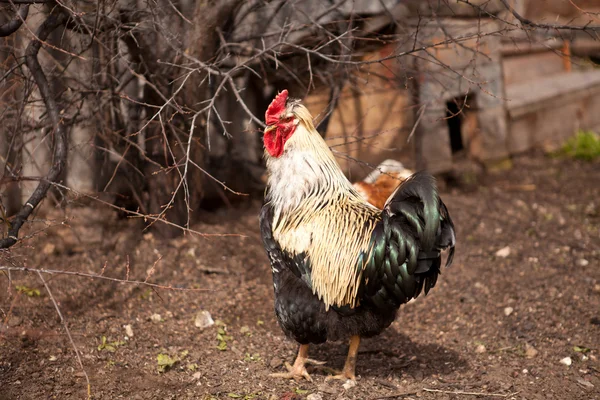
column 306, row 169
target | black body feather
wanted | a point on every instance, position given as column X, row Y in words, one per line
column 405, row 259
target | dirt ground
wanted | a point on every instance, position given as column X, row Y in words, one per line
column 520, row 302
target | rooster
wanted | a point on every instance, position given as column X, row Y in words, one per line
column 381, row 183
column 341, row 266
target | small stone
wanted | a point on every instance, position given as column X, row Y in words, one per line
column 566, row 361
column 597, row 288
column 52, row 358
column 203, row 320
column 582, row 262
column 128, row 330
column 325, row 388
column 586, row 384
column 275, row 362
column 508, row 311
column 530, row 351
column 14, row 321
column 197, row 375
column 480, row 349
column 314, row 396
column 503, row 252
column 155, row 317
column 349, row 384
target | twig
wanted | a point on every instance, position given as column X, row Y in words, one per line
column 64, row 323
column 458, row 392
column 96, row 276
column 528, row 22
column 412, row 132
column 396, row 395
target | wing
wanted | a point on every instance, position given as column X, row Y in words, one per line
column 407, row 244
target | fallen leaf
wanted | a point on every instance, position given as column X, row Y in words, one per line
column 580, row 349
column 27, row 291
column 165, row 361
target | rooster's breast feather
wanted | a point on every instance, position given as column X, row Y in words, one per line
column 299, row 265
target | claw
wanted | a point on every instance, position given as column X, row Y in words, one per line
column 344, row 375
column 296, row 372
column 350, row 366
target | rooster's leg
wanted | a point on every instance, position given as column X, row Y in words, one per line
column 298, row 370
column 350, row 365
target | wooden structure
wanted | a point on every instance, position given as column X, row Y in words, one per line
column 492, row 96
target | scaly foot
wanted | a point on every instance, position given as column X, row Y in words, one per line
column 343, row 375
column 350, row 365
column 297, row 372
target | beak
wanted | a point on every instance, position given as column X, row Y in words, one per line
column 270, row 128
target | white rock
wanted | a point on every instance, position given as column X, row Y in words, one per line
column 480, row 349
column 503, row 252
column 155, row 317
column 203, row 319
column 128, row 330
column 566, row 361
column 582, row 262
column 508, row 311
column 314, row 396
column 349, row 384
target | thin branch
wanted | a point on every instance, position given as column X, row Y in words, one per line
column 64, row 323
column 97, row 276
column 528, row 22
column 60, row 143
column 478, row 394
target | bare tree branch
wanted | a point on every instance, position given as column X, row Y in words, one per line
column 15, row 23
column 54, row 20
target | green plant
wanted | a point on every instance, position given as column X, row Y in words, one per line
column 585, row 145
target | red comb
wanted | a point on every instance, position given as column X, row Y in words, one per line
column 276, row 107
